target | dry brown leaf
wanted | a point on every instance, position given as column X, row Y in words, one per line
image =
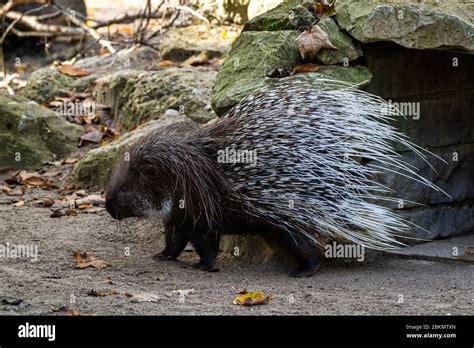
column 84, row 206
column 93, row 137
column 19, row 204
column 71, row 70
column 324, row 8
column 84, row 260
column 305, row 68
column 70, row 161
column 70, row 212
column 48, row 202
column 310, row 42
column 252, row 299
column 102, row 293
column 5, row 189
column 57, row 213
column 166, row 64
column 51, row 173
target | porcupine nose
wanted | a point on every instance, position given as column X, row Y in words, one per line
column 111, row 208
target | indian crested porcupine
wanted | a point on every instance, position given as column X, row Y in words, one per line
column 314, row 149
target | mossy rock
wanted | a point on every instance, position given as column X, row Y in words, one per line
column 31, row 134
column 139, row 96
column 289, row 15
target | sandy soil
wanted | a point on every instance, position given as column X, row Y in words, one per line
column 372, row 287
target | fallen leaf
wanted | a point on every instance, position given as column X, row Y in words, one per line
column 85, row 206
column 70, row 161
column 5, row 189
column 196, row 60
column 252, row 299
column 83, row 260
column 71, row 70
column 166, row 64
column 48, row 202
column 51, row 173
column 19, row 204
column 66, row 311
column 93, row 137
column 71, row 212
column 323, row 7
column 305, row 68
column 57, row 213
column 310, row 42
column 102, row 293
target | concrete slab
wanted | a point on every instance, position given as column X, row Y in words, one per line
column 459, row 248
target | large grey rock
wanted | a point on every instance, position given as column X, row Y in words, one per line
column 95, row 168
column 31, row 134
column 46, row 83
column 289, row 15
column 179, row 44
column 254, row 55
column 347, row 49
column 434, row 25
column 137, row 96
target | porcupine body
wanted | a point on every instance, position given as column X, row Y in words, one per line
column 305, row 186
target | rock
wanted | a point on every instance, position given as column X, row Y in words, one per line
column 31, row 134
column 346, row 51
column 435, row 25
column 252, row 56
column 441, row 221
column 179, row 44
column 95, row 168
column 137, row 96
column 289, row 15
column 452, row 173
column 46, row 83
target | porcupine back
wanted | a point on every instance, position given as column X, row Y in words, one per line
column 309, row 138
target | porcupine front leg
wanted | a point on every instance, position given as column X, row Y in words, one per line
column 176, row 238
column 207, row 247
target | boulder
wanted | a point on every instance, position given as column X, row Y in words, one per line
column 137, row 96
column 31, row 134
column 46, row 83
column 179, row 44
column 433, row 25
column 289, row 15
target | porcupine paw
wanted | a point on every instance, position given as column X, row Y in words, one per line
column 204, row 266
column 163, row 257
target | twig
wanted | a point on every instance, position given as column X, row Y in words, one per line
column 104, row 43
column 32, row 22
column 190, row 10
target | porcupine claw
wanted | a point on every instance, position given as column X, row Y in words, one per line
column 163, row 257
column 205, row 267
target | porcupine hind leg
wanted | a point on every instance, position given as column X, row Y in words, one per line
column 176, row 238
column 305, row 253
column 207, row 247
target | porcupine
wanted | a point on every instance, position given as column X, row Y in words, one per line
column 306, row 188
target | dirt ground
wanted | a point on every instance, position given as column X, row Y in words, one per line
column 372, row 287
